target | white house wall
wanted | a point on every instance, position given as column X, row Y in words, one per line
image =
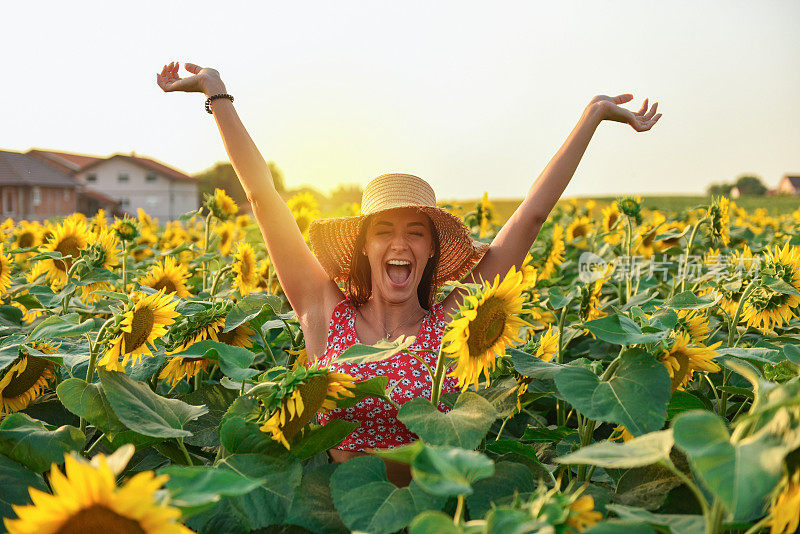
column 163, row 198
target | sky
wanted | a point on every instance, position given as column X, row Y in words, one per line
column 474, row 97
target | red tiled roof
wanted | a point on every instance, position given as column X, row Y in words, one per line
column 794, row 180
column 69, row 160
column 151, row 164
column 97, row 195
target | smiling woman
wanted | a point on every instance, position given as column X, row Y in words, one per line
column 375, row 276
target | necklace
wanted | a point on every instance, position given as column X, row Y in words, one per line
column 388, row 333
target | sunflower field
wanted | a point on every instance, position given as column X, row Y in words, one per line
column 638, row 374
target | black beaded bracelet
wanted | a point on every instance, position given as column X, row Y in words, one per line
column 214, row 97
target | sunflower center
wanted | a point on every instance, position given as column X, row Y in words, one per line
column 580, row 231
column 612, row 219
column 69, row 246
column 682, row 371
column 165, row 283
column 27, row 379
column 141, row 327
column 487, row 327
column 98, row 518
column 313, row 393
column 246, row 268
column 25, row 240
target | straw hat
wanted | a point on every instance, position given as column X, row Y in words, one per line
column 333, row 240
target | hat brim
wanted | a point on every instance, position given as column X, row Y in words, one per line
column 333, row 242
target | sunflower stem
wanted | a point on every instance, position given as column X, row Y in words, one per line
column 96, row 442
column 701, row 499
column 761, row 524
column 125, row 250
column 560, row 405
column 267, row 349
column 726, row 373
column 185, row 452
column 437, row 379
column 217, row 278
column 628, row 240
column 714, row 518
column 209, row 220
column 502, row 427
column 458, row 517
column 689, row 244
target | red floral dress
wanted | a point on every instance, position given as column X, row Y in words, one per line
column 380, row 428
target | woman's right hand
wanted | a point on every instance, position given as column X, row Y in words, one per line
column 203, row 80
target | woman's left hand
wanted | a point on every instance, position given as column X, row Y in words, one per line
column 640, row 121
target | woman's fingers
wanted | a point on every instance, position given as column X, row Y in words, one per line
column 652, row 112
column 191, row 67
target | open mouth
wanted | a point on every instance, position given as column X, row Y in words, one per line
column 398, row 271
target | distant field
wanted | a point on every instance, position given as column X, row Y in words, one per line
column 774, row 205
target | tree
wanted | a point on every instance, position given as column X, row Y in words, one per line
column 223, row 176
column 716, row 190
column 751, row 185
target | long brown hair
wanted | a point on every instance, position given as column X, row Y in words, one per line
column 358, row 285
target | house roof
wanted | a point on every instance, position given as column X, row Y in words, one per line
column 148, row 163
column 22, row 169
column 794, row 180
column 65, row 160
column 97, row 195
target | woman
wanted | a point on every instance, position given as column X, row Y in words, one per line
column 393, row 257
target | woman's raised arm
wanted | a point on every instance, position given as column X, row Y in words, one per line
column 305, row 282
column 516, row 237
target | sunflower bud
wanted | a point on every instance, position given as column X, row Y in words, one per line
column 221, row 205
column 126, row 229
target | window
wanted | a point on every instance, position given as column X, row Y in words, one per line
column 151, row 177
column 124, row 202
column 66, row 195
column 8, row 200
column 37, row 196
column 151, row 201
column 91, row 177
column 123, row 177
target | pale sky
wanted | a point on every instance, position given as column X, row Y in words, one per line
column 471, row 96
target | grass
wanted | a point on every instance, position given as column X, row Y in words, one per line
column 777, row 205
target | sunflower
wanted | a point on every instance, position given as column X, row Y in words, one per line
column 582, row 514
column 246, row 279
column 103, row 253
column 647, row 243
column 485, row 212
column 238, row 337
column 484, row 324
column 86, row 498
column 579, row 227
column 227, row 232
column 529, row 272
column 146, row 221
column 610, row 218
column 548, row 345
column 669, row 242
column 785, row 507
column 145, row 244
column 126, row 229
column 24, row 380
column 621, row 432
column 303, row 201
column 243, row 221
column 630, row 206
column 555, row 252
column 766, row 308
column 200, row 327
column 304, row 217
column 590, row 297
column 146, row 321
column 682, row 361
column 68, row 238
column 694, row 325
column 719, row 220
column 302, row 393
column 27, row 235
column 267, row 280
column 168, row 275
column 221, row 205
column 5, row 272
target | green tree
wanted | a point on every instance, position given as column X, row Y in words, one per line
column 751, row 185
column 719, row 190
column 223, row 176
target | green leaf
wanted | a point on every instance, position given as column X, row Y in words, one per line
column 141, row 410
column 403, row 454
column 689, row 301
column 16, row 480
column 547, row 435
column 372, row 387
column 197, row 487
column 636, row 395
column 741, row 475
column 269, row 503
column 758, row 355
column 57, row 326
column 234, row 362
column 508, row 478
column 664, row 319
column 620, row 330
column 533, row 367
column 312, row 507
column 433, row 522
column 382, row 350
column 320, row 438
column 449, row 471
column 367, row 501
column 464, row 426
column 644, row 450
column 678, row 524
column 90, row 402
column 255, row 306
column 646, row 486
column 205, row 429
column 243, row 437
column 779, row 286
column 792, row 353
column 683, row 401
column 618, row 527
column 29, row 442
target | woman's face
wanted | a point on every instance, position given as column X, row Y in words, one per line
column 398, row 245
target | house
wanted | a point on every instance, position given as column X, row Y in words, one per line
column 89, row 200
column 139, row 182
column 32, row 190
column 789, row 185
